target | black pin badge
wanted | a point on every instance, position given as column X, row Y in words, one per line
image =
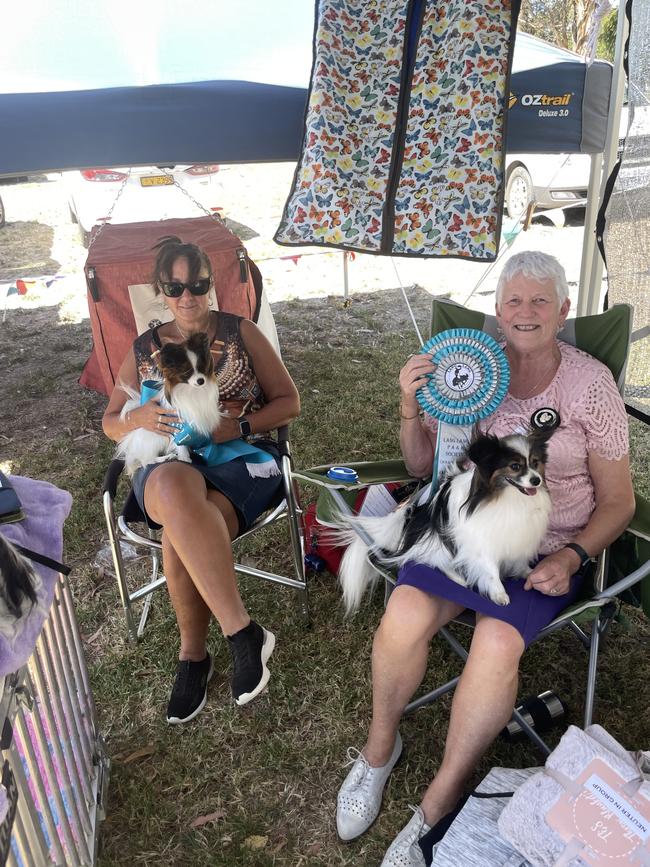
column 546, row 419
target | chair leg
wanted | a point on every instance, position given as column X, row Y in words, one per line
column 118, row 563
column 155, row 571
column 592, row 671
column 296, row 535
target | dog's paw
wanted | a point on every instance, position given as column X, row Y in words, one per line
column 499, row 596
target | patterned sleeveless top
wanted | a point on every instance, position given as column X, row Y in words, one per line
column 239, row 389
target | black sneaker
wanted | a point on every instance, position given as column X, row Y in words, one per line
column 190, row 690
column 251, row 648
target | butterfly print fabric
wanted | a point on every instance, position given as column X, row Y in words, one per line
column 403, row 149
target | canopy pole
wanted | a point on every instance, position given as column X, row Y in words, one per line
column 591, row 270
column 589, row 292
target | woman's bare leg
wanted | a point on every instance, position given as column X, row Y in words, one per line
column 199, row 525
column 192, row 614
column 482, row 705
column 399, row 659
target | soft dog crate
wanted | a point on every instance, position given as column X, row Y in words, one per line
column 122, row 301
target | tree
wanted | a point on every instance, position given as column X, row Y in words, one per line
column 572, row 24
column 607, row 36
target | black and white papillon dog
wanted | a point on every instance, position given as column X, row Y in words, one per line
column 189, row 387
column 486, row 521
column 18, row 583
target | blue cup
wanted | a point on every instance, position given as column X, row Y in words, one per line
column 150, row 388
column 343, row 474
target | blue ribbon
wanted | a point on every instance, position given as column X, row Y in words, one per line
column 220, row 453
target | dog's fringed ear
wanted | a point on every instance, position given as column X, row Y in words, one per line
column 538, row 440
column 483, row 451
column 171, row 355
column 16, row 578
column 200, row 343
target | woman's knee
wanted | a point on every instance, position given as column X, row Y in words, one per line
column 170, row 484
column 411, row 616
column 496, row 640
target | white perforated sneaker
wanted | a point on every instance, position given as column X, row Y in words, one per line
column 359, row 797
column 405, row 850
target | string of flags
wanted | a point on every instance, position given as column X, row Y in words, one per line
column 23, row 285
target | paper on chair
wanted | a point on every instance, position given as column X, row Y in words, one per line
column 378, row 502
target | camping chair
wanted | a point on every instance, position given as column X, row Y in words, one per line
column 127, row 527
column 620, row 571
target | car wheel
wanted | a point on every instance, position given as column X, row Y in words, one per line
column 2, row 214
column 519, row 192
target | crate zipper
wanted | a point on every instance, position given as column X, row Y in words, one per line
column 243, row 265
column 415, row 13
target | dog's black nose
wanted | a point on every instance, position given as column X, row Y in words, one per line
column 200, row 380
column 535, row 481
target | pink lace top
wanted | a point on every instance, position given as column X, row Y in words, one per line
column 592, row 419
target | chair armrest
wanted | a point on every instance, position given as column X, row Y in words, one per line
column 112, row 477
column 640, row 523
column 283, row 441
column 369, row 472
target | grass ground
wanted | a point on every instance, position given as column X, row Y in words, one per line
column 266, row 775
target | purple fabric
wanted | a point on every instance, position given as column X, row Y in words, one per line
column 46, row 508
column 529, row 611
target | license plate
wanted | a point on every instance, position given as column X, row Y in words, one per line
column 156, row 181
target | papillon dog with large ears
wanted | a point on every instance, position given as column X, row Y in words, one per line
column 189, row 387
column 18, row 584
column 486, row 521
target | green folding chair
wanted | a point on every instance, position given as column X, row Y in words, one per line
column 621, row 573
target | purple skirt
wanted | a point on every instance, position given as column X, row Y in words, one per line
column 529, row 611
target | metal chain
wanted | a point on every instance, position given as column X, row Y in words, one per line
column 95, row 234
column 215, row 216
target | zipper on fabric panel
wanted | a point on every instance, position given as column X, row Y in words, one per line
column 243, row 265
column 413, row 27
column 91, row 281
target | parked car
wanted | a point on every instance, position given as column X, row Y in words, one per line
column 138, row 194
column 551, row 180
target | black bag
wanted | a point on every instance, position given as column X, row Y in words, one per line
column 10, row 505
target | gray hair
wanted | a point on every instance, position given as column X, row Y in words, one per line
column 539, row 266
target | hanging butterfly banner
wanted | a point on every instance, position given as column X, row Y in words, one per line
column 403, row 147
column 470, row 381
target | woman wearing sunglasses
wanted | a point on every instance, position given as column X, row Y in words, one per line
column 203, row 508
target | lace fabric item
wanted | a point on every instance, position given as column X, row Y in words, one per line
column 523, row 821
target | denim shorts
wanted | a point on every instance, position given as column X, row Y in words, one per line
column 250, row 495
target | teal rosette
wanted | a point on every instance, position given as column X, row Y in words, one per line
column 470, row 380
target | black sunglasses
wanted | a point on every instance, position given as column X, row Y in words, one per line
column 174, row 288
